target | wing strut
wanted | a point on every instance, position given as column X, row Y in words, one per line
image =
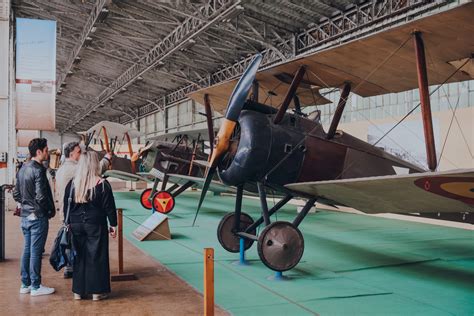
column 425, row 100
column 210, row 123
column 339, row 110
column 289, row 95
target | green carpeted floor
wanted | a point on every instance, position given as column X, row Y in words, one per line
column 352, row 265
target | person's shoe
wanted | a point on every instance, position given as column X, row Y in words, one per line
column 67, row 274
column 98, row 297
column 42, row 290
column 77, row 296
column 25, row 289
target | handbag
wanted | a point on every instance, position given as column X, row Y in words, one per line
column 59, row 257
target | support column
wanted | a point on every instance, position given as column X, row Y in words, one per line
column 425, row 100
column 339, row 110
column 7, row 110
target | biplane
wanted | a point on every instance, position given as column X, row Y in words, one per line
column 291, row 153
column 181, row 161
column 110, row 135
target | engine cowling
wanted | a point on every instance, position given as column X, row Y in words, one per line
column 261, row 147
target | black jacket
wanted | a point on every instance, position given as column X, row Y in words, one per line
column 32, row 190
column 96, row 211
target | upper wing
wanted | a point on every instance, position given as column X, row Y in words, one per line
column 215, row 186
column 331, row 67
column 450, row 191
column 124, row 175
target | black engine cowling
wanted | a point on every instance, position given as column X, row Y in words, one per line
column 262, row 145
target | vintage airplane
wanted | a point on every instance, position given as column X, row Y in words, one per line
column 292, row 154
column 180, row 161
column 108, row 135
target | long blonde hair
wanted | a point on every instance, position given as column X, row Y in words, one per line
column 88, row 169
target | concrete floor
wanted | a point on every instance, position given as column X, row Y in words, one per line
column 157, row 290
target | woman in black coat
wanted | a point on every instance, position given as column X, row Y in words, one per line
column 92, row 203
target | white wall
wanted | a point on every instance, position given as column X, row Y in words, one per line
column 7, row 138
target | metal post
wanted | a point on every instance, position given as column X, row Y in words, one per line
column 425, row 100
column 275, row 208
column 208, row 281
column 3, row 188
column 304, row 211
column 120, row 240
column 238, row 207
column 339, row 110
column 242, row 252
column 263, row 202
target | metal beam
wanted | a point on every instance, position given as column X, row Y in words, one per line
column 214, row 11
column 84, row 35
column 345, row 26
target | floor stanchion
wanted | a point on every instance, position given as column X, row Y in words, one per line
column 121, row 276
column 208, row 281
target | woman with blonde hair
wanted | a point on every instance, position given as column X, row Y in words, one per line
column 91, row 204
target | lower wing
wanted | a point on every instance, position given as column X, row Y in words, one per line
column 443, row 192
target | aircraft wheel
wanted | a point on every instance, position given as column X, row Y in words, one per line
column 226, row 234
column 163, row 202
column 280, row 246
column 144, row 199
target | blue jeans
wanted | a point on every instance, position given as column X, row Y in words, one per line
column 35, row 233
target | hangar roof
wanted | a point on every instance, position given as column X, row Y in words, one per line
column 121, row 59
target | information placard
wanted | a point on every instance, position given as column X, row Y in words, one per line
column 155, row 227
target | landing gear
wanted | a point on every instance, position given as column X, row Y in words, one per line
column 226, row 233
column 280, row 246
column 145, row 200
column 163, row 202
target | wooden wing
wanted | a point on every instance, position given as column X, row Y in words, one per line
column 215, row 186
column 124, row 176
column 450, row 191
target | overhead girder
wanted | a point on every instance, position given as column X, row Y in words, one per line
column 174, row 41
column 86, row 30
column 270, row 56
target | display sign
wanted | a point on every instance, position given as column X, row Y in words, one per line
column 155, row 227
column 35, row 74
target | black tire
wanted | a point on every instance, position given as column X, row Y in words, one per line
column 280, row 246
column 227, row 237
column 146, row 191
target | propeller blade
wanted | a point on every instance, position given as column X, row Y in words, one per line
column 207, row 183
column 234, row 107
column 241, row 90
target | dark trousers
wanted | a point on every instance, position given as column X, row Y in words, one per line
column 91, row 267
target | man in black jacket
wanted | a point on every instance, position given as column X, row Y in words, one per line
column 33, row 192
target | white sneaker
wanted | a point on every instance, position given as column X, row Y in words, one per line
column 99, row 297
column 42, row 290
column 77, row 296
column 25, row 289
